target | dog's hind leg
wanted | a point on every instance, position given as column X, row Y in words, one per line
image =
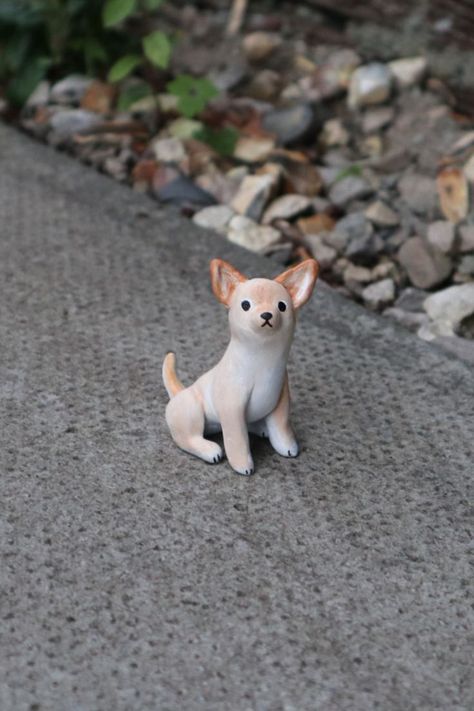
column 185, row 418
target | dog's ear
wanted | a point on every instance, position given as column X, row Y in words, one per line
column 299, row 281
column 224, row 280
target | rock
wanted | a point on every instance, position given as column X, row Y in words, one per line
column 265, row 85
column 413, row 320
column 355, row 278
column 249, row 234
column 411, row 299
column 168, row 150
column 67, row 123
column 116, row 168
column 290, row 125
column 70, row 90
column 379, row 295
column 385, row 269
column 453, row 191
column 349, row 228
column 370, row 84
column 461, row 347
column 380, row 214
column 419, row 193
column 468, row 169
column 316, row 223
column 350, row 188
column 302, row 178
column 449, row 307
column 425, row 265
column 228, row 78
column 334, row 134
column 259, row 45
column 466, row 238
column 286, row 207
column 376, row 119
column 253, row 150
column 441, row 234
column 325, row 255
column 98, row 97
column 40, row 96
column 408, row 72
column 215, row 217
column 182, row 191
column 253, row 195
column 466, row 265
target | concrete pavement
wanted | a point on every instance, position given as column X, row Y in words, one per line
column 135, row 577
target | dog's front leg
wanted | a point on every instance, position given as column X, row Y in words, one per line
column 280, row 432
column 236, row 438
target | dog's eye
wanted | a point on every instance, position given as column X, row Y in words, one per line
column 245, row 305
column 282, row 306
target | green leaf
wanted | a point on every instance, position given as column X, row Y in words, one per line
column 193, row 94
column 152, row 4
column 222, row 140
column 157, row 48
column 351, row 171
column 123, row 67
column 117, row 10
column 26, row 81
column 132, row 94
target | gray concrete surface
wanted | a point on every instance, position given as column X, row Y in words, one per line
column 136, row 577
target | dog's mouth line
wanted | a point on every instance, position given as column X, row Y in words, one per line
column 267, row 323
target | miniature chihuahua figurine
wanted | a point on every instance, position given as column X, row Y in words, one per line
column 248, row 389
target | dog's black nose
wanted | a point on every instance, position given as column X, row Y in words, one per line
column 266, row 315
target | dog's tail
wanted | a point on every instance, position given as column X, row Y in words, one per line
column 172, row 383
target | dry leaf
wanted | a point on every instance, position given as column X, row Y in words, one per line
column 453, row 194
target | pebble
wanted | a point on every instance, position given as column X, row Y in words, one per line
column 168, row 150
column 442, row 234
column 413, row 320
column 408, row 72
column 419, row 193
column 70, row 90
column 259, row 45
column 69, row 122
column 370, row 84
column 182, row 191
column 253, row 150
column 426, row 266
column 466, row 238
column 265, row 85
column 249, row 234
column 325, row 255
column 40, row 95
column 381, row 214
column 448, row 307
column 466, row 265
column 334, row 134
column 348, row 229
column 316, row 223
column 253, row 195
column 411, row 299
column 375, row 119
column 286, row 207
column 290, row 125
column 361, row 275
column 215, row 217
column 347, row 189
column 379, row 295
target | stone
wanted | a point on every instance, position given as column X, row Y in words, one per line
column 231, row 76
column 302, row 178
column 348, row 189
column 334, row 134
column 247, row 233
column 380, row 294
column 362, row 275
column 265, row 85
column 70, row 90
column 385, row 269
column 466, row 238
column 253, row 150
column 425, row 265
column 408, row 71
column 290, row 124
column 419, row 193
column 453, row 192
column 325, row 255
column 98, row 97
column 168, row 150
column 442, row 234
column 412, row 320
column 253, row 195
column 466, row 265
column 411, row 299
column 69, row 122
column 349, row 228
column 374, row 120
column 460, row 347
column 316, row 223
column 382, row 215
column 286, row 207
column 257, row 46
column 40, row 96
column 182, row 191
column 468, row 169
column 369, row 84
column 449, row 307
column 215, row 217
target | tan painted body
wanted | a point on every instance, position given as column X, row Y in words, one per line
column 248, row 389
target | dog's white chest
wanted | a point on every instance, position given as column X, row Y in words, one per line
column 266, row 391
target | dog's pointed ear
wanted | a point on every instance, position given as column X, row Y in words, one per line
column 299, row 281
column 224, row 280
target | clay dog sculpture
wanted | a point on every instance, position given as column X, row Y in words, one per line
column 248, row 389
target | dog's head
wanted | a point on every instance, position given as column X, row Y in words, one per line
column 263, row 307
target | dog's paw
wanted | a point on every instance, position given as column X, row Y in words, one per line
column 246, row 469
column 213, row 453
column 287, row 449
